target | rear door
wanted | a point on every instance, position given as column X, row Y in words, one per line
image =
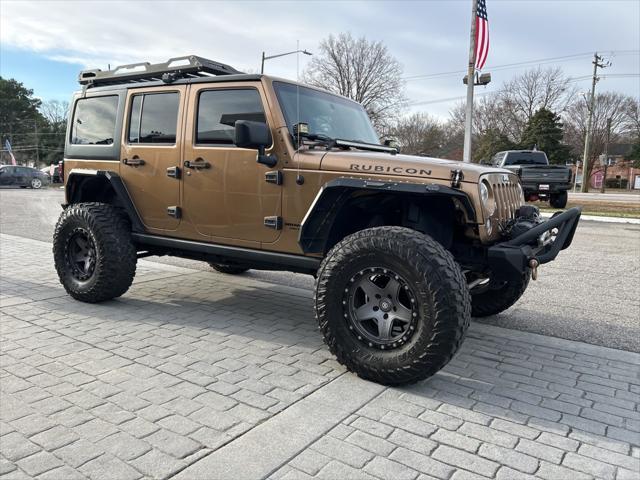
column 151, row 152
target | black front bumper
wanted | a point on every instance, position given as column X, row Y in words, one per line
column 511, row 258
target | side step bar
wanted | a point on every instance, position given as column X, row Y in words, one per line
column 250, row 257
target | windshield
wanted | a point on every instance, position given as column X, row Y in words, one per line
column 526, row 158
column 326, row 114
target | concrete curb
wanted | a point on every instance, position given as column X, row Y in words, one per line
column 597, row 218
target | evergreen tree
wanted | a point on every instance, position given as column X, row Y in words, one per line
column 18, row 116
column 545, row 132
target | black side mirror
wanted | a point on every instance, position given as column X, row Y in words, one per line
column 255, row 135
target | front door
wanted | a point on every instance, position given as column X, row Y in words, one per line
column 151, row 152
column 225, row 194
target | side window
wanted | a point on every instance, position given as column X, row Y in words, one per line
column 154, row 118
column 23, row 171
column 218, row 111
column 94, row 121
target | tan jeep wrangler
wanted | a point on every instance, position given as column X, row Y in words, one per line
column 194, row 159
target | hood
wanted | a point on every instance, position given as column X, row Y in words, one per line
column 375, row 163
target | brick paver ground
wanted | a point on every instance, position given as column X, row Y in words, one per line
column 197, row 375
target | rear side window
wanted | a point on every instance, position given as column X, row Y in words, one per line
column 94, row 121
column 218, row 111
column 154, row 118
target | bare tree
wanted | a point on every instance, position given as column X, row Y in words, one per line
column 54, row 111
column 362, row 70
column 525, row 94
column 419, row 134
column 618, row 107
column 508, row 110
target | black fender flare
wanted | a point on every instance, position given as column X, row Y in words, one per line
column 118, row 187
column 316, row 225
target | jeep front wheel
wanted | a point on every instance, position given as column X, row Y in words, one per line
column 93, row 252
column 392, row 304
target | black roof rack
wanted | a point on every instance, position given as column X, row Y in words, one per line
column 190, row 66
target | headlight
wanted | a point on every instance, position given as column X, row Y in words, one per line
column 486, row 197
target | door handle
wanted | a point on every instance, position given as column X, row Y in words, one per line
column 197, row 164
column 135, row 161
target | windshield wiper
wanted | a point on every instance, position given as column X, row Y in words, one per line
column 372, row 147
column 329, row 143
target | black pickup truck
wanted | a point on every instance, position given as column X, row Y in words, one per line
column 540, row 181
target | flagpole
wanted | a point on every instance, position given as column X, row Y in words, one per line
column 468, row 123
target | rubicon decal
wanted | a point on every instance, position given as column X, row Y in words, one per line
column 389, row 169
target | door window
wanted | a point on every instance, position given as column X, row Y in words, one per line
column 218, row 111
column 154, row 118
column 94, row 121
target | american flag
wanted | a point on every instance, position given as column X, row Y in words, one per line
column 482, row 34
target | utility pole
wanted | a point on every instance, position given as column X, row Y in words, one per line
column 468, row 123
column 597, row 62
column 606, row 155
column 35, row 129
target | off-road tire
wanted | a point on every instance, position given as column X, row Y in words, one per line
column 497, row 298
column 559, row 200
column 441, row 294
column 228, row 269
column 115, row 255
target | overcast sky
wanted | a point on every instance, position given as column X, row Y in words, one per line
column 44, row 44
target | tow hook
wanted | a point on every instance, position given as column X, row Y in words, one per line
column 533, row 265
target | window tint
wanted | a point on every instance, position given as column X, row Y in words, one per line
column 94, row 121
column 23, row 170
column 526, row 158
column 218, row 111
column 154, row 118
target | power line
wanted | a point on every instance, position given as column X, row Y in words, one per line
column 507, row 66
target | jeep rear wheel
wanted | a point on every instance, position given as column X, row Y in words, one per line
column 228, row 268
column 93, row 252
column 497, row 297
column 392, row 304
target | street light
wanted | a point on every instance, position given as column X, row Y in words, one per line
column 280, row 55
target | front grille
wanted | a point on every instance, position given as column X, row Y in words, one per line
column 506, row 193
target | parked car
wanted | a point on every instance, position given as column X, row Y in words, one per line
column 23, row 177
column 540, row 181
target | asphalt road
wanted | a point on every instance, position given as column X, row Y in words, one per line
column 591, row 293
